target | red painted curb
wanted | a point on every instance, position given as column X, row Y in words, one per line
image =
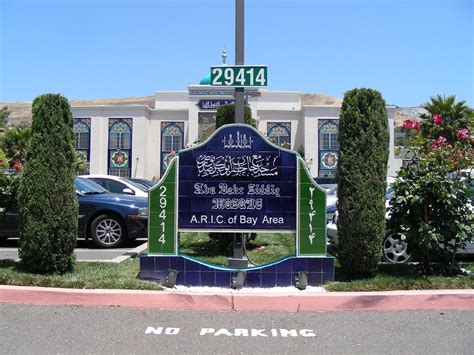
column 240, row 301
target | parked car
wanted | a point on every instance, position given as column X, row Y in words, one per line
column 118, row 185
column 394, row 250
column 147, row 184
column 108, row 219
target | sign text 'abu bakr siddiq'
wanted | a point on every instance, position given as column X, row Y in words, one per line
column 237, row 181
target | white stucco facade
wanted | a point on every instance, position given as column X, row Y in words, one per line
column 186, row 117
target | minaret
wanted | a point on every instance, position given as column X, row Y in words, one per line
column 224, row 55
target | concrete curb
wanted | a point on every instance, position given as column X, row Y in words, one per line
column 244, row 301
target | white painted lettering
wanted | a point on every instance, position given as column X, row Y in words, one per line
column 153, row 330
column 258, row 333
column 241, row 332
column 205, row 331
column 223, row 331
column 307, row 333
column 285, row 332
column 171, row 331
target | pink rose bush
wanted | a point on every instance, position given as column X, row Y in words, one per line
column 463, row 134
column 438, row 119
column 411, row 124
column 438, row 143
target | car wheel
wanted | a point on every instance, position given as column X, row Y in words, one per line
column 395, row 250
column 108, row 231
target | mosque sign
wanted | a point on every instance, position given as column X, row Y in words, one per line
column 237, row 181
column 213, row 104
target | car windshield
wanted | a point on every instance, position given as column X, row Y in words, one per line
column 137, row 185
column 332, row 190
column 88, row 187
column 144, row 182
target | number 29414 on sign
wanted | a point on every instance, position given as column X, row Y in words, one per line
column 239, row 75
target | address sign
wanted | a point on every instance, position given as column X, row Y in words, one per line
column 239, row 75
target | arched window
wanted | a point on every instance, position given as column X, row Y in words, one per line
column 120, row 135
column 328, row 148
column 328, row 136
column 82, row 134
column 120, row 143
column 171, row 141
column 279, row 134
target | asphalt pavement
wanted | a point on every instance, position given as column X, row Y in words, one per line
column 73, row 329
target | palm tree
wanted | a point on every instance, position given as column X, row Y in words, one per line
column 453, row 116
column 15, row 144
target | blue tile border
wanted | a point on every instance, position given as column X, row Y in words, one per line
column 192, row 272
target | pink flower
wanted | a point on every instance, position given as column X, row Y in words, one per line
column 411, row 124
column 463, row 134
column 441, row 140
column 407, row 124
column 438, row 119
column 438, row 144
column 416, row 125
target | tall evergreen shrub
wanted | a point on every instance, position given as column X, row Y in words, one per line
column 47, row 199
column 362, row 181
column 226, row 115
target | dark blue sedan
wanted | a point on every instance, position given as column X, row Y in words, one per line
column 108, row 219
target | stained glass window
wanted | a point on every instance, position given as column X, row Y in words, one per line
column 120, row 144
column 172, row 135
column 328, row 148
column 279, row 134
column 172, row 138
column 328, row 136
column 120, row 136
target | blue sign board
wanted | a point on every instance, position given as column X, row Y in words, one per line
column 237, row 181
column 213, row 104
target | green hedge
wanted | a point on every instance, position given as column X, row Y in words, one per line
column 47, row 198
column 362, row 179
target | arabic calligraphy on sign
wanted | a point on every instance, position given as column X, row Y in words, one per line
column 238, row 141
column 255, row 165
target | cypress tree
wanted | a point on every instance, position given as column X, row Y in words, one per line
column 362, row 181
column 226, row 115
column 47, row 198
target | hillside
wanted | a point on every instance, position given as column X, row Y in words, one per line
column 22, row 110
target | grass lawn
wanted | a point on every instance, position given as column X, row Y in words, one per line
column 403, row 277
column 264, row 249
column 85, row 275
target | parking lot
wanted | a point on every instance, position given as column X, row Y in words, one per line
column 85, row 251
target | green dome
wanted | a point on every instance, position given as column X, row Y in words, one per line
column 206, row 80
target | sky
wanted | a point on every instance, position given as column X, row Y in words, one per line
column 409, row 50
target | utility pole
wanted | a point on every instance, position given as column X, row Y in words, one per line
column 238, row 259
column 239, row 58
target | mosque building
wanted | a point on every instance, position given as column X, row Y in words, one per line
column 136, row 140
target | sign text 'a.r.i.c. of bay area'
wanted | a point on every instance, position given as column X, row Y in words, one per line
column 237, row 181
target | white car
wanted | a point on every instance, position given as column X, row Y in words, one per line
column 394, row 250
column 118, row 185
